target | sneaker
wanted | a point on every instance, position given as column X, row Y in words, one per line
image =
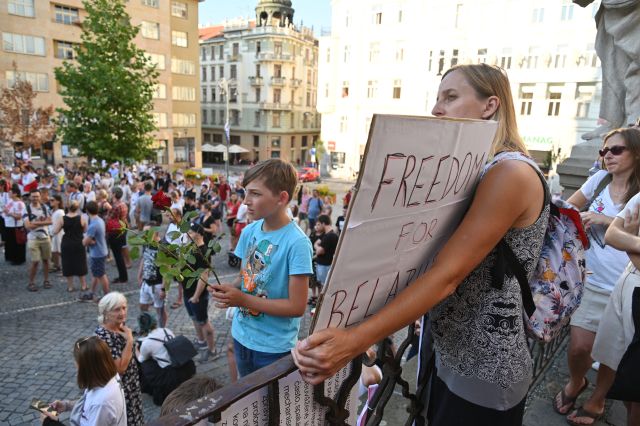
column 86, row 297
column 204, row 355
column 199, row 345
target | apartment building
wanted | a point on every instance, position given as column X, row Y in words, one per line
column 39, row 34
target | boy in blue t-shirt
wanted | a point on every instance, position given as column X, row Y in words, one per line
column 271, row 290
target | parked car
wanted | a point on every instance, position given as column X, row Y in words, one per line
column 308, row 174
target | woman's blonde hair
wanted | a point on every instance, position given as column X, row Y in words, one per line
column 489, row 80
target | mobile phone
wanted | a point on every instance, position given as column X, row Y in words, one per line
column 43, row 407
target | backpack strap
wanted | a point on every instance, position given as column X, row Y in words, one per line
column 601, row 186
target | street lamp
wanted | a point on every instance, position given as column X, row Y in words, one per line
column 223, row 84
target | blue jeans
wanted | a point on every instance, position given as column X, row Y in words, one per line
column 248, row 360
column 322, row 271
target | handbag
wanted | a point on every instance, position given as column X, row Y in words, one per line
column 180, row 349
column 21, row 236
column 625, row 386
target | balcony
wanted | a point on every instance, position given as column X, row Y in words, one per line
column 274, row 57
column 276, row 106
column 277, row 81
column 256, row 81
column 295, row 82
column 234, row 58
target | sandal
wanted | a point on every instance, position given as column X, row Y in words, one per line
column 175, row 305
column 567, row 400
column 71, row 289
column 32, row 287
column 581, row 412
column 46, row 284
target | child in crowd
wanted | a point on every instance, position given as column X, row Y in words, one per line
column 151, row 287
column 271, row 290
column 96, row 240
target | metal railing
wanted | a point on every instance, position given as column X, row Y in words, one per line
column 212, row 406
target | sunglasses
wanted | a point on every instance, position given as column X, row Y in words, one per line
column 615, row 150
column 79, row 342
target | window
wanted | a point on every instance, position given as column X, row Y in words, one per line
column 560, row 60
column 482, row 56
column 221, row 71
column 18, row 43
column 374, row 52
column 441, row 63
column 292, row 119
column 151, row 3
column 458, row 20
column 213, row 116
column 275, row 142
column 184, row 120
column 537, row 15
column 554, row 95
column 258, row 74
column 39, row 81
column 156, row 59
column 347, row 20
column 328, row 53
column 277, row 47
column 233, row 71
column 526, row 98
column 397, row 89
column 235, row 117
column 532, row 58
column 505, row 58
column 256, row 141
column 221, row 52
column 222, row 117
column 309, row 77
column 233, row 94
column 430, row 66
column 258, row 94
column 217, row 137
column 203, row 73
column 213, row 73
column 308, row 98
column 179, row 38
column 454, row 57
column 567, row 11
column 399, row 52
column 258, row 47
column 22, row 8
column 293, row 97
column 66, row 15
column 160, row 91
column 235, row 49
column 346, row 54
column 183, row 93
column 326, row 90
column 275, row 117
column 277, row 71
column 256, row 119
column 204, row 95
column 179, row 9
column 400, row 16
column 584, row 96
column 150, row 30
column 182, row 66
column 213, row 96
column 377, row 17
column 345, row 89
column 372, row 88
column 343, row 124
column 160, row 119
column 64, row 49
column 180, row 153
column 277, row 95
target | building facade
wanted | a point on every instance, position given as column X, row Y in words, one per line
column 270, row 67
column 39, row 34
column 373, row 63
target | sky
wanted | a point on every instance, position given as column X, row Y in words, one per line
column 316, row 13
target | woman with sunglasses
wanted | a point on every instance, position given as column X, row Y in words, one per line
column 621, row 168
column 102, row 402
column 112, row 329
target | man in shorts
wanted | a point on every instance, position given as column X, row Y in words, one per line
column 96, row 240
column 37, row 219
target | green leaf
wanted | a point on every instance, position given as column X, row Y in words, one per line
column 217, row 248
column 191, row 259
column 134, row 252
column 136, row 241
column 190, row 215
column 190, row 282
column 184, row 227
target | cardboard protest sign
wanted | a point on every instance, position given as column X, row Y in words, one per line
column 253, row 409
column 417, row 180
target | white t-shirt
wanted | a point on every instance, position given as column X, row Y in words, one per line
column 102, row 406
column 153, row 349
column 631, row 206
column 181, row 240
column 604, row 262
column 241, row 216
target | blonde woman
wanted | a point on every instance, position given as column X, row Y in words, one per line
column 457, row 290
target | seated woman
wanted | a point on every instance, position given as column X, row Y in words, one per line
column 159, row 377
column 102, row 402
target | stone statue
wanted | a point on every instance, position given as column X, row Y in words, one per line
column 618, row 46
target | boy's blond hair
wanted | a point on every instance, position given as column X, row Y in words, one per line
column 276, row 174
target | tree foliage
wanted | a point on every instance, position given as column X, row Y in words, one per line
column 21, row 121
column 108, row 88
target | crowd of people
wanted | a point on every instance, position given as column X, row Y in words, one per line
column 287, row 248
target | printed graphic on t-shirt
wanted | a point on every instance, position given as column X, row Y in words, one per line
column 256, row 275
column 596, row 232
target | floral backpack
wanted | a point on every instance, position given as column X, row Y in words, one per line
column 554, row 290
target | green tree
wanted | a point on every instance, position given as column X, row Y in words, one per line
column 108, row 88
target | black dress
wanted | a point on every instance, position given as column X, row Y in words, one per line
column 74, row 255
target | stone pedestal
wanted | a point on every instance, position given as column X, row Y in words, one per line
column 574, row 171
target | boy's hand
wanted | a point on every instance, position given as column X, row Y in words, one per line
column 226, row 296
